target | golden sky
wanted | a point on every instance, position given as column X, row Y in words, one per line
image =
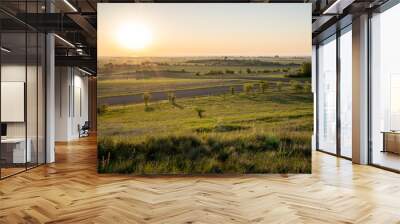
column 214, row 29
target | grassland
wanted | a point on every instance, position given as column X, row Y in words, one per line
column 257, row 130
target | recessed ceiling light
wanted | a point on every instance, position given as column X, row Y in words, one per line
column 70, row 5
column 64, row 40
column 86, row 72
column 5, row 50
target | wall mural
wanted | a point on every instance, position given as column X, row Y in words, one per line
column 204, row 88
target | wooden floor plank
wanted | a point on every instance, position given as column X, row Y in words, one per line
column 71, row 191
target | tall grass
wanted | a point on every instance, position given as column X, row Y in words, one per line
column 206, row 154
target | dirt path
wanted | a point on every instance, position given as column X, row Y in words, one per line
column 157, row 96
column 185, row 93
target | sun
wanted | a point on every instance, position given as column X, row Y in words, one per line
column 134, row 36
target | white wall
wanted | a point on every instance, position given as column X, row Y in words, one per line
column 71, row 87
column 360, row 89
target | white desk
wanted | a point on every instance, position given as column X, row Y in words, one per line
column 19, row 153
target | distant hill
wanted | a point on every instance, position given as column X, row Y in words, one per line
column 239, row 62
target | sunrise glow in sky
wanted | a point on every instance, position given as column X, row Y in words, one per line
column 226, row 29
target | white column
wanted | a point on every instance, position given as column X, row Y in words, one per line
column 360, row 90
column 50, row 98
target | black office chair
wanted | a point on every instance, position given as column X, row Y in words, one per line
column 84, row 130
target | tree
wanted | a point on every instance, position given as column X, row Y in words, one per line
column 307, row 87
column 232, row 90
column 248, row 70
column 263, row 86
column 102, row 109
column 279, row 86
column 228, row 71
column 199, row 112
column 248, row 88
column 296, row 85
column 306, row 69
column 146, row 98
column 171, row 97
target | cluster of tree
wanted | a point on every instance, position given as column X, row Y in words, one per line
column 304, row 72
column 214, row 72
column 250, row 87
column 248, row 71
column 298, row 86
column 239, row 62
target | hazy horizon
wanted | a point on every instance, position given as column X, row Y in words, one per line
column 205, row 56
column 204, row 30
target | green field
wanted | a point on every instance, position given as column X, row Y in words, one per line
column 266, row 128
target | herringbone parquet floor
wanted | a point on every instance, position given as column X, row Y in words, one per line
column 70, row 191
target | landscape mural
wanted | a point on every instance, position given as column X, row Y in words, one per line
column 180, row 95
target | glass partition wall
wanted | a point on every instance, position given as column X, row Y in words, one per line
column 385, row 89
column 345, row 91
column 22, row 98
column 334, row 93
column 327, row 95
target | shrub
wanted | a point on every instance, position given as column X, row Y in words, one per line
column 306, row 69
column 279, row 85
column 248, row 70
column 263, row 86
column 248, row 88
column 215, row 72
column 232, row 90
column 296, row 85
column 303, row 72
column 171, row 97
column 199, row 112
column 307, row 87
column 102, row 109
column 228, row 71
column 146, row 98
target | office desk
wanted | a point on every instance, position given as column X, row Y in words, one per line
column 13, row 150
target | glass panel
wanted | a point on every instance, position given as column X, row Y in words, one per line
column 41, row 98
column 327, row 96
column 32, row 87
column 385, row 84
column 346, row 94
column 13, row 86
column 31, row 98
